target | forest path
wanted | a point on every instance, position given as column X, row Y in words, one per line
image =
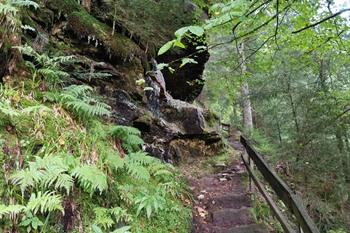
column 221, row 203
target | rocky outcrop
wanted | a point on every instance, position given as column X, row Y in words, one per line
column 112, row 46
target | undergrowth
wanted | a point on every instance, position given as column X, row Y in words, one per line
column 64, row 168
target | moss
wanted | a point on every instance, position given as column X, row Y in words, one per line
column 65, row 7
column 152, row 23
column 86, row 26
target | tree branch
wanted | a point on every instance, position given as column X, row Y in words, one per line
column 321, row 21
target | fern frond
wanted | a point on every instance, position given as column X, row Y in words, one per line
column 10, row 210
column 78, row 98
column 45, row 202
column 140, row 158
column 120, row 214
column 103, row 218
column 126, row 193
column 106, row 218
column 64, row 59
column 137, row 171
column 160, row 171
column 77, row 90
column 90, row 178
column 115, row 161
column 64, row 181
column 149, row 203
column 26, row 178
column 131, row 137
column 25, row 3
column 7, row 9
column 6, row 109
column 49, row 171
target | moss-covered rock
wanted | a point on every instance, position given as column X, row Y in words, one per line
column 63, row 7
column 151, row 23
column 85, row 26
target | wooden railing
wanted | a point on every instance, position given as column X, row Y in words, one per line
column 291, row 200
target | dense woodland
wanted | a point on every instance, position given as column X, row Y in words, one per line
column 102, row 100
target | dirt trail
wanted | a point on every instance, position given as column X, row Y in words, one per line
column 222, row 204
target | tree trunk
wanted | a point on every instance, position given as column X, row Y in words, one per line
column 246, row 104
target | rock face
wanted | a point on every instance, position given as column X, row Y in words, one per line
column 119, row 43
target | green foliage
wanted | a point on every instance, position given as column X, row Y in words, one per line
column 49, row 68
column 45, row 202
column 149, row 203
column 9, row 10
column 106, row 218
column 10, row 210
column 31, row 223
column 50, row 171
column 181, row 34
column 91, row 178
column 79, row 99
column 298, row 89
column 130, row 137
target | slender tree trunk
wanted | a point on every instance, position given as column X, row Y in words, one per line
column 246, row 104
column 293, row 107
column 279, row 130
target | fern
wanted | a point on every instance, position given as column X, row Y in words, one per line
column 26, row 178
column 135, row 164
column 6, row 109
column 45, row 202
column 10, row 210
column 149, row 203
column 11, row 7
column 103, row 218
column 131, row 137
column 78, row 99
column 115, row 161
column 106, row 218
column 120, row 214
column 50, row 171
column 138, row 172
column 50, row 68
column 90, row 178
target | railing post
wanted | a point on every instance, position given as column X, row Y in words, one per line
column 250, row 177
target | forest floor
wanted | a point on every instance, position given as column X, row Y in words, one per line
column 221, row 202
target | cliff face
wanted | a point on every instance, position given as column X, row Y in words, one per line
column 113, row 42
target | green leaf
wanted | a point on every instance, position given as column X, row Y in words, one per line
column 186, row 60
column 166, row 47
column 196, row 30
column 122, row 230
column 178, row 43
column 161, row 66
column 96, row 229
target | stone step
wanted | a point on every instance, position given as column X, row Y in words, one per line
column 230, row 201
column 231, row 217
column 252, row 228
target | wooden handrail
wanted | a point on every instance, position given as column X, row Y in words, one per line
column 284, row 193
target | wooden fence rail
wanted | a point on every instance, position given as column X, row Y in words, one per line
column 284, row 193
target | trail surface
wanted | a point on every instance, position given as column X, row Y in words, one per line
column 222, row 204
